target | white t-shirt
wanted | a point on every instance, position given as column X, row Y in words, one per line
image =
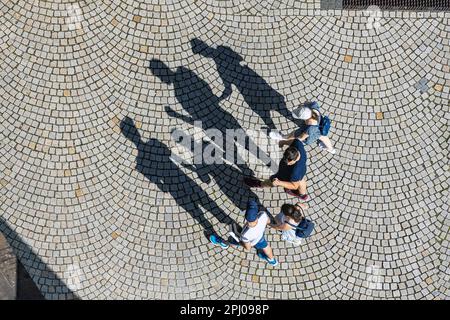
column 253, row 235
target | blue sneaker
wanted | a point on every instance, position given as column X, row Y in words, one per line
column 218, row 242
column 272, row 262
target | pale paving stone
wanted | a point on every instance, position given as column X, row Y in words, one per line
column 74, row 193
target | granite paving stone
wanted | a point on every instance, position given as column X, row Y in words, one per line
column 109, row 213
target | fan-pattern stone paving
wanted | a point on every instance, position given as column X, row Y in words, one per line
column 87, row 181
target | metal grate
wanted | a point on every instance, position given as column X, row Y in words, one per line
column 412, row 5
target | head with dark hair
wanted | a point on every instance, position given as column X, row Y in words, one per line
column 292, row 211
column 291, row 155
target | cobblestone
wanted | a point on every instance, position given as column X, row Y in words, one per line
column 71, row 186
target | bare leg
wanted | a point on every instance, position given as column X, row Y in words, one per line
column 327, row 142
column 286, row 139
column 302, row 186
column 268, row 252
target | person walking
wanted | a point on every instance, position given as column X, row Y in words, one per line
column 309, row 132
column 288, row 220
column 252, row 234
column 291, row 173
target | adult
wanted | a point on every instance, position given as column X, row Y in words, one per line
column 309, row 131
column 252, row 234
column 291, row 173
column 288, row 220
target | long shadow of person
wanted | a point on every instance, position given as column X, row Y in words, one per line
column 154, row 162
column 226, row 177
column 196, row 97
column 257, row 93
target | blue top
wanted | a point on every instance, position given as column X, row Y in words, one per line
column 295, row 172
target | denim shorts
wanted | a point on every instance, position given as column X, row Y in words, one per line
column 261, row 244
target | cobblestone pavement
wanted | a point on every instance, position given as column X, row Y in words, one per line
column 113, row 217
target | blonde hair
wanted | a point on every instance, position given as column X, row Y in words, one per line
column 314, row 115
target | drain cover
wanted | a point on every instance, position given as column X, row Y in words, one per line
column 412, row 5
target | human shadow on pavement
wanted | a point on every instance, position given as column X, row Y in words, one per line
column 199, row 101
column 33, row 275
column 257, row 93
column 155, row 163
column 227, row 177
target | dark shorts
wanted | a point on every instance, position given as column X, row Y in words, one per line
column 261, row 244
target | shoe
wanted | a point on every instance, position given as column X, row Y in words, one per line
column 234, row 237
column 215, row 240
column 323, row 147
column 272, row 262
column 252, row 182
column 275, row 135
column 296, row 242
column 303, row 197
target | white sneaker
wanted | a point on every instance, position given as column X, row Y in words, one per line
column 234, row 236
column 275, row 135
column 323, row 147
column 297, row 242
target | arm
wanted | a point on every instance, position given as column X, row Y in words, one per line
column 286, row 184
column 302, row 137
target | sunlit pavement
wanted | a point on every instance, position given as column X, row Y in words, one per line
column 88, row 220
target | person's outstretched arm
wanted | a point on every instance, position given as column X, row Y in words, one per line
column 302, row 136
column 285, row 184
